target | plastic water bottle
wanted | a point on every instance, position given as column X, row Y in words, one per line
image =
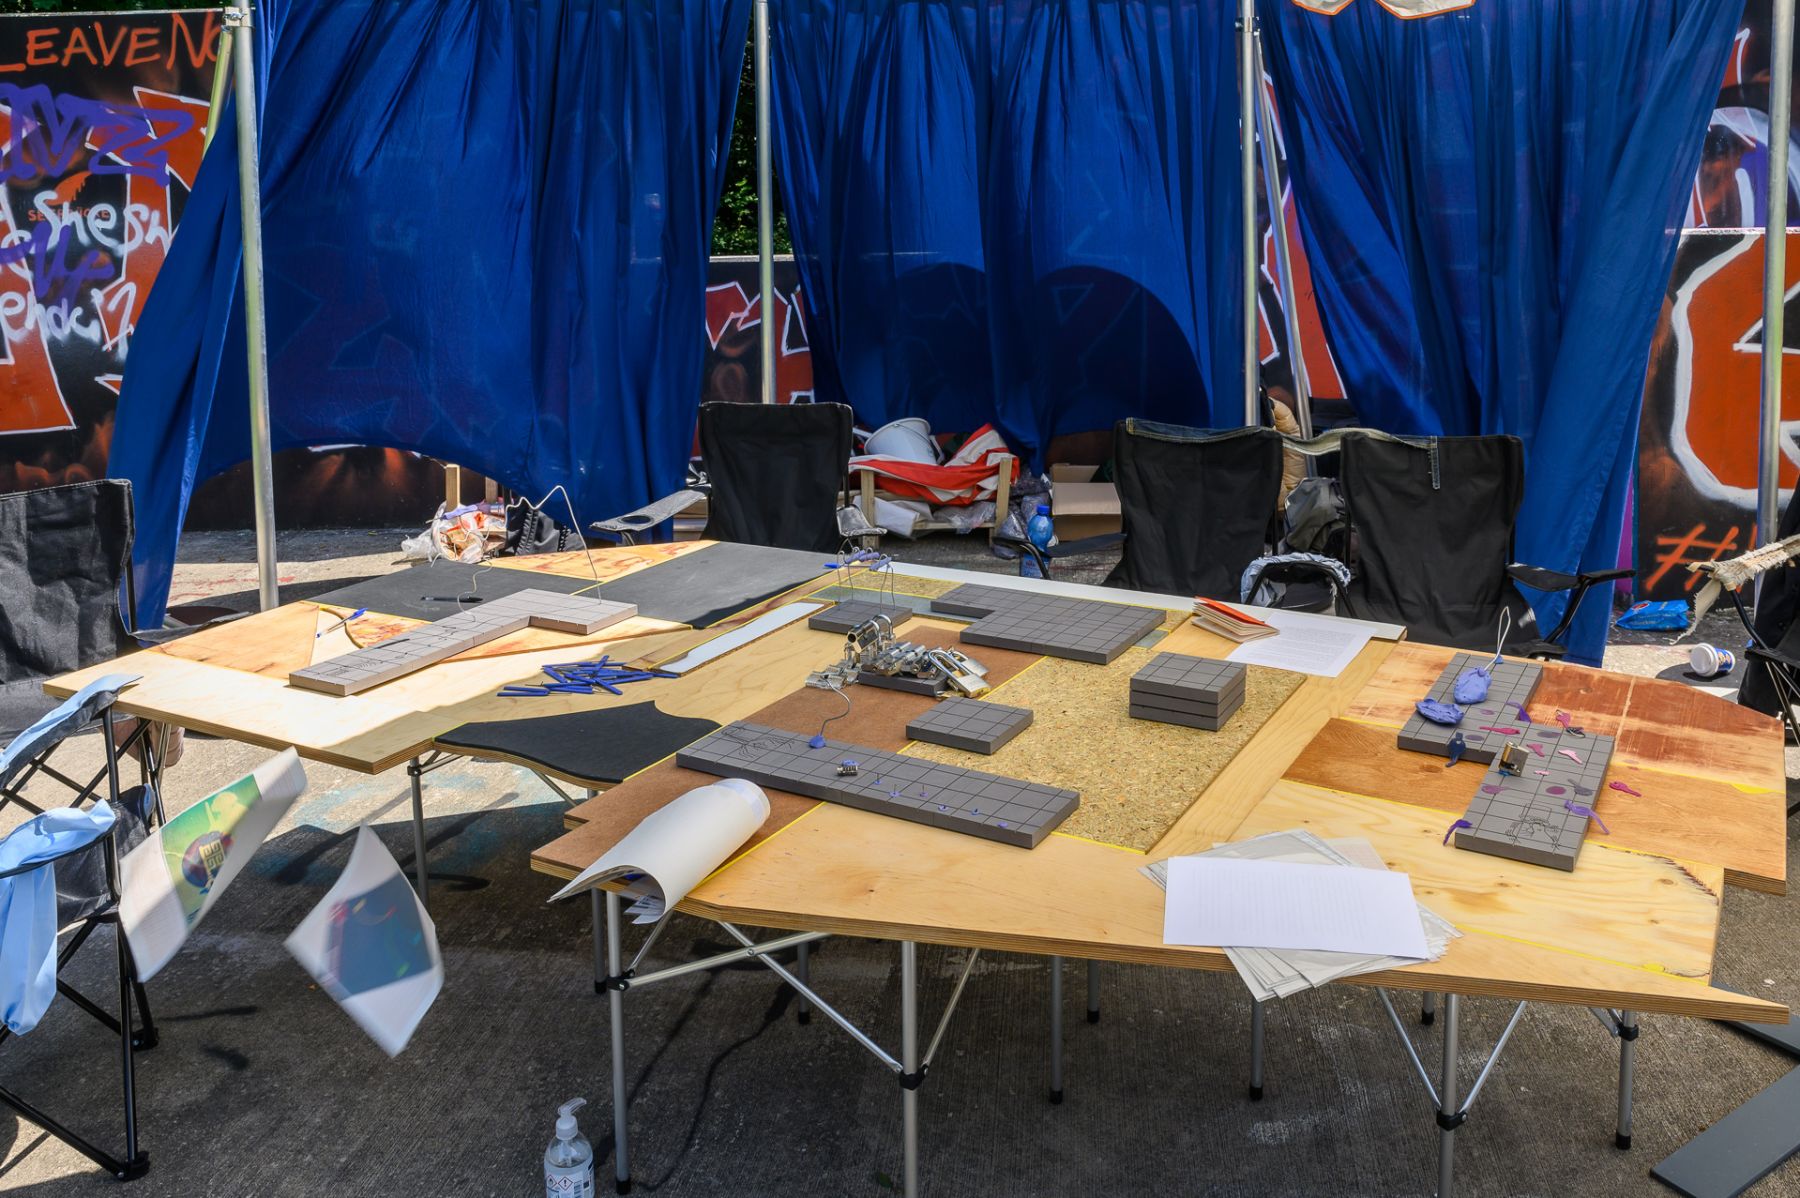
column 569, row 1161
column 1040, row 531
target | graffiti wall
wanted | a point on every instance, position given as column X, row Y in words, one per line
column 1697, row 445
column 102, row 126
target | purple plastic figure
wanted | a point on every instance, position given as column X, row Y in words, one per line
column 1472, row 685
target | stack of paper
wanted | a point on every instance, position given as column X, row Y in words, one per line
column 1229, row 622
column 1272, row 972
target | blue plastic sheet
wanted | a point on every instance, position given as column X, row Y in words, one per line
column 1022, row 211
column 486, row 227
column 1490, row 201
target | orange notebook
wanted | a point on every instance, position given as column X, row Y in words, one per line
column 1229, row 622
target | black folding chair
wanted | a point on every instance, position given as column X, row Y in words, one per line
column 775, row 476
column 65, row 552
column 1431, row 520
column 87, row 897
column 1197, row 505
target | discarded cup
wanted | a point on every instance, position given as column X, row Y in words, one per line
column 1709, row 661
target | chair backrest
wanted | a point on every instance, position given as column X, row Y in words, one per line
column 1196, row 505
column 1432, row 520
column 63, row 556
column 777, row 472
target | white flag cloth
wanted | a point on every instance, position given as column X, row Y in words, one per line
column 372, row 947
column 170, row 881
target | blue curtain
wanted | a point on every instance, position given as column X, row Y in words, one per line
column 1015, row 210
column 1490, row 201
column 486, row 231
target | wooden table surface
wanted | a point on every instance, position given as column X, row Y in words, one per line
column 1634, row 926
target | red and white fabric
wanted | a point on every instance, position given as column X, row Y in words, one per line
column 971, row 474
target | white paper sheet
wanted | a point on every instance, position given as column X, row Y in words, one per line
column 1306, row 644
column 171, row 880
column 371, row 945
column 1277, row 904
column 673, row 849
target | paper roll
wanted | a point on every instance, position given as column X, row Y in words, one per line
column 672, row 850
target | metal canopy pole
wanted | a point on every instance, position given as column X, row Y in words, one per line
column 256, row 329
column 1781, row 93
column 765, row 204
column 1284, row 256
column 1247, row 88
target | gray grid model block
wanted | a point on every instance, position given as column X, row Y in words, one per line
column 1529, row 818
column 1186, row 719
column 848, row 616
column 1008, row 810
column 1486, row 725
column 1079, row 629
column 1194, row 679
column 430, row 643
column 978, row 727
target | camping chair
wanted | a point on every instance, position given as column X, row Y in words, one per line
column 1196, row 505
column 776, row 477
column 1432, row 521
column 87, row 896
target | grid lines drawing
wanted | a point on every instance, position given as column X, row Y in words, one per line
column 427, row 644
column 1007, row 810
column 1531, row 816
column 1485, row 725
column 1051, row 625
column 847, row 616
column 970, row 724
column 1195, row 692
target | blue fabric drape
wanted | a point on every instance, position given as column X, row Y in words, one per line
column 1015, row 210
column 1490, row 201
column 28, row 907
column 486, row 231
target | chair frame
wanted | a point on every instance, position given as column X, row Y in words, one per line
column 135, row 1163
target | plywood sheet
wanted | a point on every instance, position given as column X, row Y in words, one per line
column 848, row 872
column 1635, row 909
column 1135, row 777
column 1743, row 830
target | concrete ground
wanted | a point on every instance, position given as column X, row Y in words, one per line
column 261, row 1086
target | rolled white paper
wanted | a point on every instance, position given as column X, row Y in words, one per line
column 675, row 848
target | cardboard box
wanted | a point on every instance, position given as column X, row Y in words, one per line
column 1079, row 507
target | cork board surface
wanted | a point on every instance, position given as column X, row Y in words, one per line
column 1136, row 777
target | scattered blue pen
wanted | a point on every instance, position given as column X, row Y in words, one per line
column 355, row 615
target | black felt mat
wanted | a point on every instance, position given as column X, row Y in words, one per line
column 608, row 745
column 432, row 591
column 703, row 587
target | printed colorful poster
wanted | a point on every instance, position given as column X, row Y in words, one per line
column 171, row 880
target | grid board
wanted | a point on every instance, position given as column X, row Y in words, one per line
column 1079, row 629
column 847, row 617
column 415, row 649
column 1525, row 818
column 1007, row 810
column 1180, row 682
column 970, row 724
column 1513, row 682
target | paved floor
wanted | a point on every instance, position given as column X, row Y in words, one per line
column 260, row 1086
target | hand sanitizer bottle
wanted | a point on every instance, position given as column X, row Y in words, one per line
column 569, row 1161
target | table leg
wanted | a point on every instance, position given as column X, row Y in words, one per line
column 1256, row 1051
column 599, row 942
column 1628, row 1033
column 1056, row 1035
column 909, row 1060
column 801, row 963
column 1447, row 1095
column 416, row 772
column 1428, row 1008
column 1093, row 991
column 615, row 999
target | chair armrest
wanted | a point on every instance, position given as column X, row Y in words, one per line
column 1774, row 656
column 1607, row 575
column 648, row 516
column 1538, row 578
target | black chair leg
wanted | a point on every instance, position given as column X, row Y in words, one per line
column 147, row 1038
column 136, row 1163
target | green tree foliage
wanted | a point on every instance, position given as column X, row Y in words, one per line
column 734, row 225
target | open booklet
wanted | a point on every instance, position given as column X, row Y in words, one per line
column 673, row 849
